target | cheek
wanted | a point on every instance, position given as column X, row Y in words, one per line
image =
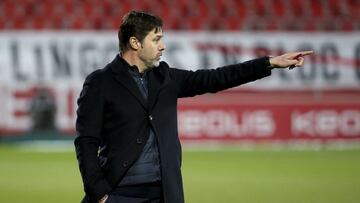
column 152, row 52
column 149, row 52
column 146, row 53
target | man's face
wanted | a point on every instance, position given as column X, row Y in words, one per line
column 151, row 49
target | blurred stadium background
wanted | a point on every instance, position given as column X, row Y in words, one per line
column 293, row 137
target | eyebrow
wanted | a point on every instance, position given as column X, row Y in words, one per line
column 158, row 36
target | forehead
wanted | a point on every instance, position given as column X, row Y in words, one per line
column 155, row 33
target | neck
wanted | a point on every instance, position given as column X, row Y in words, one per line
column 132, row 59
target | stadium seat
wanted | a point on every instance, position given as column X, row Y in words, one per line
column 184, row 14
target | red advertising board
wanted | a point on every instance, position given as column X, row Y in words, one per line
column 228, row 116
column 266, row 119
column 269, row 122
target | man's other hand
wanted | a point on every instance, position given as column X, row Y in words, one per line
column 103, row 199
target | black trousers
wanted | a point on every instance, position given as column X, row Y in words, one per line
column 144, row 193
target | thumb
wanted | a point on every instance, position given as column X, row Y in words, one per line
column 292, row 61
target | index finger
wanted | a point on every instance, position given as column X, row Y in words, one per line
column 304, row 53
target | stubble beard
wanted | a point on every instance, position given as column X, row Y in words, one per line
column 153, row 64
column 156, row 63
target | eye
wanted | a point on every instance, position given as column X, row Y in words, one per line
column 157, row 39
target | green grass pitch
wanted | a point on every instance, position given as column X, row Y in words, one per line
column 260, row 176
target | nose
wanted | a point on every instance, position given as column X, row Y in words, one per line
column 161, row 46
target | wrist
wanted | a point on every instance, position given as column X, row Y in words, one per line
column 270, row 62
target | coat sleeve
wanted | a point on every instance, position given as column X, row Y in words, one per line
column 191, row 83
column 88, row 129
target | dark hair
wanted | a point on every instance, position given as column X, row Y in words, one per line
column 137, row 24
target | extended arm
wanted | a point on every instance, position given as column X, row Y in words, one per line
column 191, row 83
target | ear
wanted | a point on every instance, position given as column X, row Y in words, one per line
column 134, row 43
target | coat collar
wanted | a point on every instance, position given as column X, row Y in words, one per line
column 120, row 68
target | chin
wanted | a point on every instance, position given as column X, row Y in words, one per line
column 153, row 64
column 156, row 63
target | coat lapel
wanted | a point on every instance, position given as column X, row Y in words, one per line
column 122, row 75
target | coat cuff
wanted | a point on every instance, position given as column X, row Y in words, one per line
column 263, row 66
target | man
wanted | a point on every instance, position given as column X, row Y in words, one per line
column 127, row 143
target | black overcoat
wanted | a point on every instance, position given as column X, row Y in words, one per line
column 113, row 119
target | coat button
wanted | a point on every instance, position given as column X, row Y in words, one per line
column 150, row 117
column 125, row 164
column 139, row 141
